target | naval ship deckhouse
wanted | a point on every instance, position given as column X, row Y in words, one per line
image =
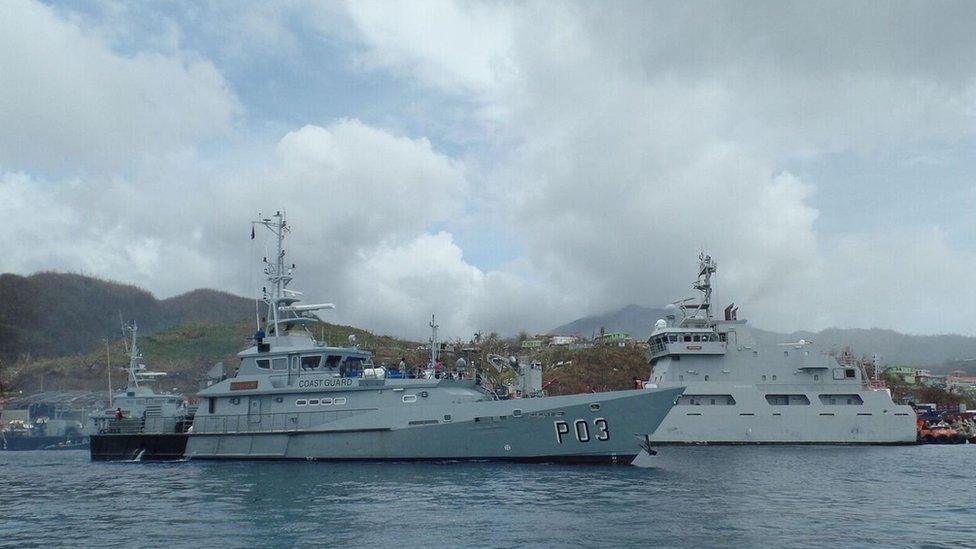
column 741, row 392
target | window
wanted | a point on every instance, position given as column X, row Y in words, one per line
column 211, row 404
column 311, row 362
column 353, row 362
column 687, row 338
column 774, row 377
column 764, row 377
column 816, row 377
column 333, row 361
column 313, row 402
column 518, row 412
column 673, row 338
column 595, row 407
column 339, row 401
column 838, row 400
column 706, row 377
column 788, row 400
column 264, row 364
column 409, row 398
column 447, row 417
column 849, row 373
column 279, row 364
column 301, row 402
column 707, row 400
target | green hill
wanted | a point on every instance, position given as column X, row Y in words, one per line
column 184, row 352
column 52, row 314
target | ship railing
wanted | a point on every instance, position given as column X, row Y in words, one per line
column 148, row 424
column 272, row 422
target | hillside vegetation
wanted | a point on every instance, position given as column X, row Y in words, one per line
column 184, row 352
column 52, row 314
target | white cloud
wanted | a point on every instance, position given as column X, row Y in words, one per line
column 633, row 135
column 68, row 102
column 611, row 142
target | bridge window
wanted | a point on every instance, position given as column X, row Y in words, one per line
column 264, row 364
column 279, row 364
column 333, row 361
column 311, row 362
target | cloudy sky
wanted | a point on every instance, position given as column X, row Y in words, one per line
column 505, row 165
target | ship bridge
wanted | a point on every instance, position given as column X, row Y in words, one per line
column 681, row 340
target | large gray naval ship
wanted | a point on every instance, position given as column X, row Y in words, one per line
column 740, row 392
column 294, row 397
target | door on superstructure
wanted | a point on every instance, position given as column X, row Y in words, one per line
column 254, row 410
column 293, row 369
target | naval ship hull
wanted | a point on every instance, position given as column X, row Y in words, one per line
column 753, row 420
column 590, row 428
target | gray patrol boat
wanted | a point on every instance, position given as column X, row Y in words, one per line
column 740, row 392
column 294, row 397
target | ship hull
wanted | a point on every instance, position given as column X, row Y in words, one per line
column 593, row 428
column 25, row 443
column 753, row 420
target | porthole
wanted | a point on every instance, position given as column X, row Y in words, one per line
column 816, row 377
column 339, row 401
column 764, row 377
column 326, row 402
column 595, row 407
column 706, row 378
column 235, row 400
column 774, row 377
column 409, row 398
column 301, row 402
column 517, row 412
column 447, row 417
column 279, row 399
column 313, row 402
column 423, row 394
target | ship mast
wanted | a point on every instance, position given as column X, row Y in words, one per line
column 280, row 300
column 706, row 268
column 134, row 356
column 433, row 341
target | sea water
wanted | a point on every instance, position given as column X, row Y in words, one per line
column 707, row 496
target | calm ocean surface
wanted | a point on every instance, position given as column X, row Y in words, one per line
column 784, row 496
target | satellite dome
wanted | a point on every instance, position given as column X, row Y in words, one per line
column 670, row 306
column 660, row 324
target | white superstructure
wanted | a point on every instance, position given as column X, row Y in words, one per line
column 738, row 391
